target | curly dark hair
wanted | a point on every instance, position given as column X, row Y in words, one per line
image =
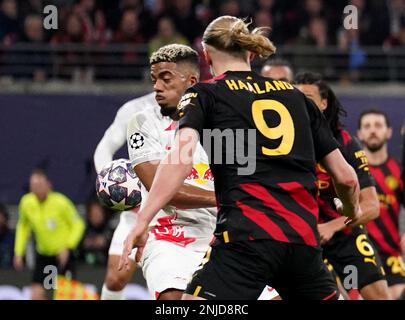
column 335, row 109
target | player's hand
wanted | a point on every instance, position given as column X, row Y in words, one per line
column 326, row 231
column 63, row 258
column 18, row 263
column 341, row 209
column 136, row 239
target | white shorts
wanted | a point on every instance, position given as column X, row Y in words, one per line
column 127, row 222
column 168, row 266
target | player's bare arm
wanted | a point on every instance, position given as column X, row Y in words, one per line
column 345, row 181
column 170, row 176
column 370, row 211
column 187, row 197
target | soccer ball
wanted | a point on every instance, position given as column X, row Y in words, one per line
column 118, row 187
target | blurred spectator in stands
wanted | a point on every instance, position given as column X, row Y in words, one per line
column 373, row 22
column 6, row 239
column 316, row 38
column 98, row 234
column 316, row 34
column 129, row 35
column 291, row 21
column 128, row 31
column 348, row 41
column 93, row 20
column 263, row 18
column 275, row 12
column 396, row 10
column 266, row 5
column 167, row 34
column 397, row 38
column 158, row 9
column 8, row 21
column 33, row 29
column 298, row 18
column 72, row 30
column 204, row 13
column 185, row 19
column 74, row 63
column 56, row 225
column 39, row 59
column 231, row 8
column 28, row 7
column 115, row 10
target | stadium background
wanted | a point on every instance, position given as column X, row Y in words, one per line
column 60, row 89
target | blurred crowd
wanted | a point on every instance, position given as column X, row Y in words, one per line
column 157, row 22
column 154, row 23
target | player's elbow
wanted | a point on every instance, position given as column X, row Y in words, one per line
column 347, row 178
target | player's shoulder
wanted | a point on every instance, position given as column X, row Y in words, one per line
column 27, row 199
column 393, row 162
column 345, row 136
column 142, row 119
column 139, row 103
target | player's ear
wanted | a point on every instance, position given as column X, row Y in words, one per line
column 324, row 104
column 207, row 56
column 193, row 79
column 389, row 133
column 359, row 135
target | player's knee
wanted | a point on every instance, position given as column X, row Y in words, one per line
column 38, row 292
column 171, row 294
column 376, row 291
column 397, row 292
column 402, row 296
column 115, row 282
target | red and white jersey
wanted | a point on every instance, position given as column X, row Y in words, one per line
column 149, row 138
column 115, row 136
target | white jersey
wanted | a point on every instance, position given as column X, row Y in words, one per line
column 150, row 136
column 115, row 136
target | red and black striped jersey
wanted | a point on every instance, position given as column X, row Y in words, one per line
column 273, row 132
column 384, row 231
column 355, row 156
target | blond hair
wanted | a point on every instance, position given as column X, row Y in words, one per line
column 232, row 35
column 175, row 53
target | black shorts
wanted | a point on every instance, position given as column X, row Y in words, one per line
column 241, row 270
column 354, row 252
column 394, row 267
column 42, row 261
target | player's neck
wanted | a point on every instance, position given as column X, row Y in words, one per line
column 378, row 157
column 222, row 66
